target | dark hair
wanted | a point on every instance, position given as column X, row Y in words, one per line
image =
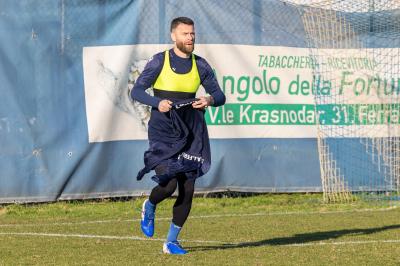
column 181, row 20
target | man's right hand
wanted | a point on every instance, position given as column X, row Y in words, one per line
column 164, row 106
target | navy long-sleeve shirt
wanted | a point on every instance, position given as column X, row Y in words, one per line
column 181, row 66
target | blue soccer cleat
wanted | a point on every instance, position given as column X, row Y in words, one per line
column 173, row 248
column 147, row 221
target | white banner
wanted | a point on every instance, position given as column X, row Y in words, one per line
column 270, row 91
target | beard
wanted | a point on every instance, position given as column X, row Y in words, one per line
column 184, row 48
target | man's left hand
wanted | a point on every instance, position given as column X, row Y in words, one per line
column 202, row 103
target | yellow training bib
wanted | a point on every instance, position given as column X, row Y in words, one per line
column 168, row 80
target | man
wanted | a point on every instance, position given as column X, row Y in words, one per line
column 179, row 146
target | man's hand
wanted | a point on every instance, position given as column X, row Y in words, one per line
column 203, row 102
column 164, row 106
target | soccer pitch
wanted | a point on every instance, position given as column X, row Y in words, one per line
column 258, row 230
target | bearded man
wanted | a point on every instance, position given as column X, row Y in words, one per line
column 179, row 149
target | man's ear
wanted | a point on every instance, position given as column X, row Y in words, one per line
column 173, row 38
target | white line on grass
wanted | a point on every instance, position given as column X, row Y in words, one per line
column 233, row 244
column 105, row 237
column 394, row 241
column 202, row 217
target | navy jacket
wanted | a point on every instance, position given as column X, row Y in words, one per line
column 179, row 143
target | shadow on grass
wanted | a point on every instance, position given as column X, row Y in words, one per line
column 298, row 238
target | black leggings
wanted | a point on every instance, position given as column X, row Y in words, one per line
column 183, row 203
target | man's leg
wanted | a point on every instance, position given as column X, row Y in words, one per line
column 183, row 203
column 181, row 212
column 158, row 194
column 162, row 191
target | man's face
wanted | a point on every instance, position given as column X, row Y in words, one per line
column 183, row 36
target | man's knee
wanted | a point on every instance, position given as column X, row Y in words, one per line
column 189, row 188
column 169, row 187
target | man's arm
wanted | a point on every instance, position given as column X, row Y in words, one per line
column 146, row 79
column 210, row 84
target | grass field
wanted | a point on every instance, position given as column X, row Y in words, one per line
column 259, row 230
